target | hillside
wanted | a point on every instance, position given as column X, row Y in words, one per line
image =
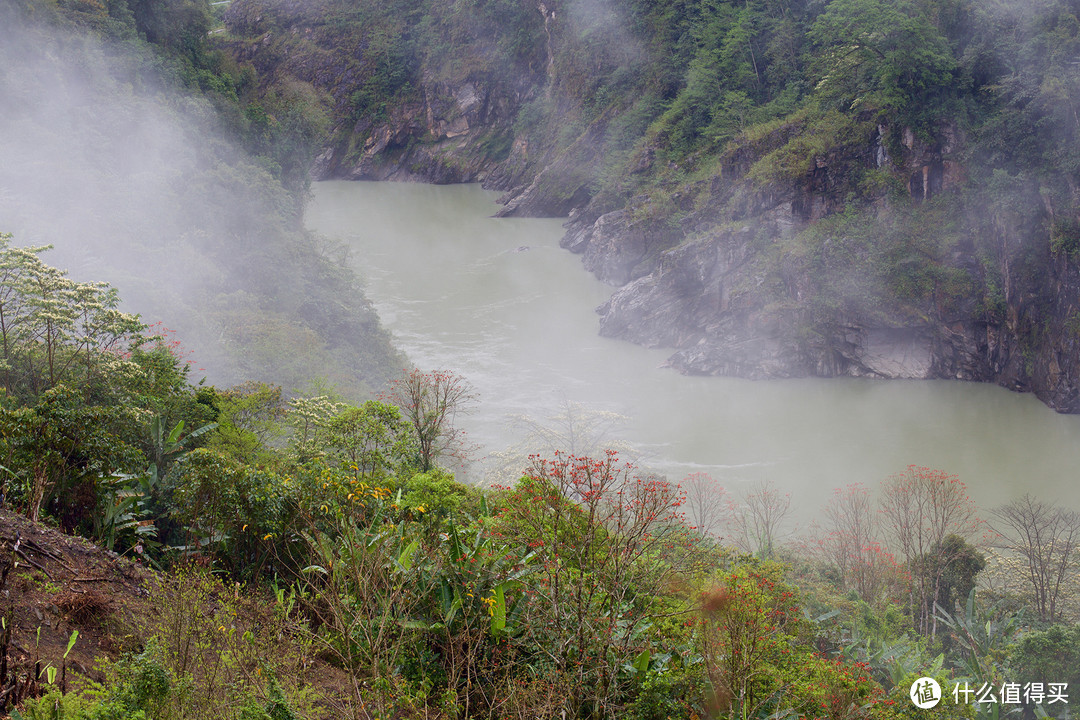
column 779, row 189
column 55, row 584
column 106, row 623
column 117, row 156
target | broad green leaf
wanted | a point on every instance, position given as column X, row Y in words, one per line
column 71, row 642
column 641, row 662
column 175, row 434
column 498, row 610
column 405, row 560
column 452, row 612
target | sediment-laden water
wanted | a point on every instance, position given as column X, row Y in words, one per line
column 498, row 301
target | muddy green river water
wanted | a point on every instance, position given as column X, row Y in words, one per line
column 497, row 301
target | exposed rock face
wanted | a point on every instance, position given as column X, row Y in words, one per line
column 437, row 140
column 614, row 248
column 441, row 132
column 713, row 301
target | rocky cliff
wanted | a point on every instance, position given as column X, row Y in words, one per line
column 779, row 291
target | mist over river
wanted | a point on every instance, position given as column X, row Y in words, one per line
column 497, row 301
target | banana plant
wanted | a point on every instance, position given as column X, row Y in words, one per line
column 167, row 447
column 126, row 499
column 984, row 636
column 478, row 577
column 124, row 507
column 892, row 661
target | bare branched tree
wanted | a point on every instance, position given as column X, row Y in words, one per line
column 706, row 503
column 755, row 522
column 1046, row 537
column 430, row 402
column 848, row 541
column 574, row 429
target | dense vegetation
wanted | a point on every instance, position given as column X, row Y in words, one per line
column 586, row 588
column 673, row 89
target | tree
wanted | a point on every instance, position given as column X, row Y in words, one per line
column 850, row 544
column 576, row 429
column 604, row 536
column 1050, row 655
column 15, row 266
column 706, row 506
column 850, row 531
column 54, row 330
column 1046, row 538
column 225, row 506
column 60, row 448
column 755, row 522
column 921, row 508
column 960, row 562
column 880, row 55
column 309, row 418
column 430, row 403
column 248, row 416
column 372, row 440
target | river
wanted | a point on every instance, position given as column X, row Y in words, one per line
column 497, row 301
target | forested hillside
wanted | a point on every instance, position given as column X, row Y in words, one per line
column 857, row 187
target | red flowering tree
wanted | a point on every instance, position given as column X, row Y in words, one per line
column 604, row 535
column 849, row 542
column 755, row 644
